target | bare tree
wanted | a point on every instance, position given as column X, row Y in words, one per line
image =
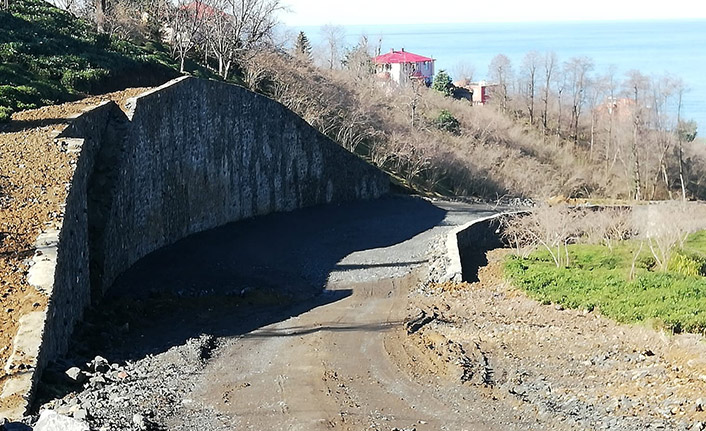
column 551, row 228
column 596, row 91
column 228, row 28
column 123, row 19
column 219, row 34
column 663, row 91
column 67, row 5
column 610, row 88
column 560, row 85
column 680, row 137
column 464, row 71
column 666, row 226
column 549, row 68
column 252, row 25
column 500, row 71
column 334, row 36
column 530, row 65
column 101, row 7
column 576, row 71
column 415, row 88
column 636, row 86
column 358, row 60
column 185, row 23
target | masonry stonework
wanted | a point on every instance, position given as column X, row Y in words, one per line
column 188, row 156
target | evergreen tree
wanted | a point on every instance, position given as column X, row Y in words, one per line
column 442, row 83
column 302, row 48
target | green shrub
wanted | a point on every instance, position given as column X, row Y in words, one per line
column 447, row 122
column 83, row 81
column 59, row 57
column 690, row 265
column 18, row 98
column 5, row 114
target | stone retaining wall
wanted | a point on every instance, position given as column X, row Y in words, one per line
column 188, row 156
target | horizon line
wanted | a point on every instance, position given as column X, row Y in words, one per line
column 548, row 21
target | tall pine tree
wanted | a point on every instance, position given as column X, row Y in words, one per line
column 302, row 48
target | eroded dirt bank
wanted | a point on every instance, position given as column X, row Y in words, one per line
column 380, row 349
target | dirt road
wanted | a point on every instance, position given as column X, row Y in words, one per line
column 281, row 355
column 336, row 366
column 329, row 368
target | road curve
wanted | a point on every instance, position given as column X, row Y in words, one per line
column 337, row 366
column 308, row 308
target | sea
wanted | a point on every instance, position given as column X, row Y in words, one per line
column 655, row 48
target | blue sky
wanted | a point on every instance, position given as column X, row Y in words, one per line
column 348, row 12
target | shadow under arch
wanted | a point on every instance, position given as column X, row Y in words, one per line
column 233, row 279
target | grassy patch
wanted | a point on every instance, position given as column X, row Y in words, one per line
column 598, row 278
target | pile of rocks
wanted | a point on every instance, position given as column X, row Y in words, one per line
column 135, row 395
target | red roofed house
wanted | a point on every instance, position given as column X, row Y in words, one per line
column 402, row 67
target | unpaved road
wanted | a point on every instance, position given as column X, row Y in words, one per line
column 330, row 368
column 281, row 355
column 334, row 366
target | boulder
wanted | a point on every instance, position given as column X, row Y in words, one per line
column 99, row 365
column 49, row 420
column 75, row 375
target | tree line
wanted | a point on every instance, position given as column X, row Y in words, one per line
column 217, row 33
column 630, row 127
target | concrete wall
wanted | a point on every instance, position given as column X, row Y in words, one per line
column 188, row 156
column 473, row 243
column 466, row 246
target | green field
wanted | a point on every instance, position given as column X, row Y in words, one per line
column 599, row 279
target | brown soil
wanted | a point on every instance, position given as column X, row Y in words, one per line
column 34, row 172
column 618, row 370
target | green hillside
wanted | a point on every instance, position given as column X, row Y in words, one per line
column 49, row 56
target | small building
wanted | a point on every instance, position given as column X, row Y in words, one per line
column 481, row 92
column 622, row 108
column 478, row 93
column 403, row 67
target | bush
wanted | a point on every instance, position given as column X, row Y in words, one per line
column 16, row 98
column 5, row 114
column 49, row 56
column 689, row 265
column 83, row 81
column 447, row 122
